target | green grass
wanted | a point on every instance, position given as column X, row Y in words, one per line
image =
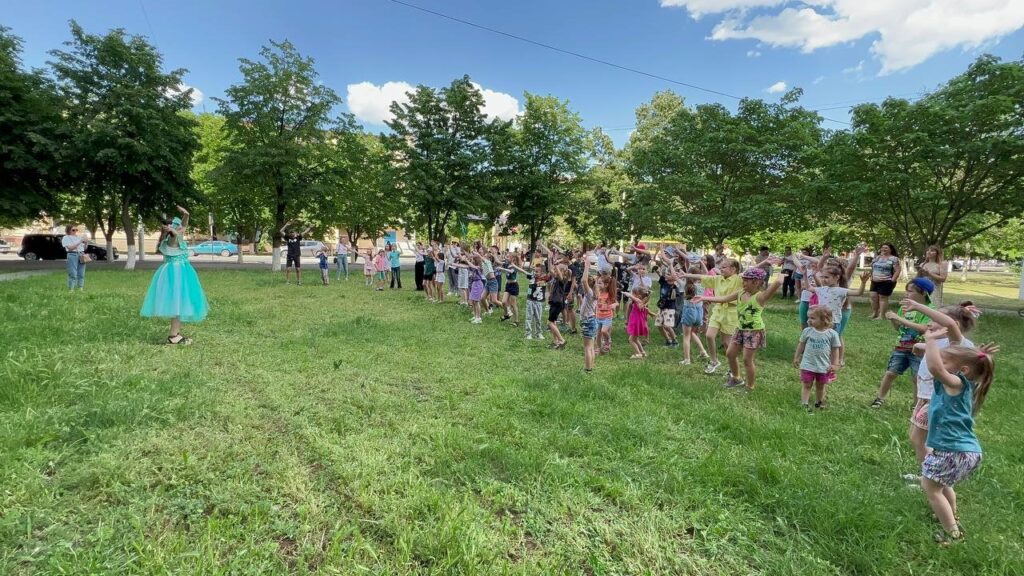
column 987, row 289
column 340, row 431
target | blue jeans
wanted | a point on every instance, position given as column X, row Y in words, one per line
column 342, row 265
column 76, row 271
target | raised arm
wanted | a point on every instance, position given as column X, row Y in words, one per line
column 184, row 217
column 933, row 356
column 956, row 336
column 898, row 321
column 767, row 293
column 285, row 227
column 306, row 230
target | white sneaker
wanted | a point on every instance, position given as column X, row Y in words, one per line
column 477, row 321
column 711, row 367
column 540, row 336
column 529, row 336
column 685, row 362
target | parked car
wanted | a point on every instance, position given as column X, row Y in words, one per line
column 306, row 248
column 5, row 246
column 215, row 247
column 48, row 247
column 957, row 265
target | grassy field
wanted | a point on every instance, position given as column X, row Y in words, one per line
column 339, row 431
column 990, row 289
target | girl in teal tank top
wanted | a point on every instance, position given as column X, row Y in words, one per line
column 961, row 376
column 751, row 336
column 175, row 291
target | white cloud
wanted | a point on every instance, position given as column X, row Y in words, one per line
column 371, row 103
column 854, row 69
column 197, row 94
column 753, row 53
column 776, row 88
column 818, row 80
column 498, row 104
column 908, row 31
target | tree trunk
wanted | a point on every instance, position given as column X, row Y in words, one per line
column 142, row 243
column 238, row 238
column 126, row 225
column 275, row 253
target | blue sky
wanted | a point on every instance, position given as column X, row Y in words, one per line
column 838, row 51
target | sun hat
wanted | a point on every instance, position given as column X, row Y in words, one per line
column 924, row 285
column 753, row 274
column 176, row 222
column 640, row 246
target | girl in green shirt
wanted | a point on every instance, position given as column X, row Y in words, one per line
column 750, row 336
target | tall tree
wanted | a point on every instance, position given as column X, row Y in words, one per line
column 926, row 170
column 360, row 196
column 129, row 149
column 541, row 158
column 720, row 175
column 227, row 197
column 278, row 120
column 441, row 154
column 29, row 116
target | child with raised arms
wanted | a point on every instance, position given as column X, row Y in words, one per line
column 607, row 301
column 910, row 326
column 958, row 321
column 750, row 335
column 723, row 315
column 636, row 325
column 692, row 317
column 962, row 376
column 588, row 314
column 512, row 269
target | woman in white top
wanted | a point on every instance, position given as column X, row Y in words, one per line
column 75, row 245
column 934, row 268
column 341, row 256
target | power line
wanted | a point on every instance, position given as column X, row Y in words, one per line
column 578, row 55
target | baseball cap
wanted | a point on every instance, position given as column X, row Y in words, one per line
column 753, row 274
column 924, row 285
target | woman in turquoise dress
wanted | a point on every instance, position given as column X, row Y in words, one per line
column 175, row 292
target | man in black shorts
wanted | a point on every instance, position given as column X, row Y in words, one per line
column 294, row 242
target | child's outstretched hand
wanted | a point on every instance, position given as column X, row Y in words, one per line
column 697, row 300
column 935, row 333
column 990, row 348
column 865, row 276
column 911, row 305
column 890, row 315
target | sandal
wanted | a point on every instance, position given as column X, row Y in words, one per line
column 877, row 403
column 944, row 539
column 182, row 340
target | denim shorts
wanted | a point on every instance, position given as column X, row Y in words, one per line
column 901, row 360
column 605, row 323
column 589, row 328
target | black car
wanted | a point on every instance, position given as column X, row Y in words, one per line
column 48, row 247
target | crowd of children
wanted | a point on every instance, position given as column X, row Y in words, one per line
column 584, row 291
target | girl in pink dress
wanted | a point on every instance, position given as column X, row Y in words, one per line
column 636, row 325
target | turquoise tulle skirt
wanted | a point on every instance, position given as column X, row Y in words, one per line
column 175, row 292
